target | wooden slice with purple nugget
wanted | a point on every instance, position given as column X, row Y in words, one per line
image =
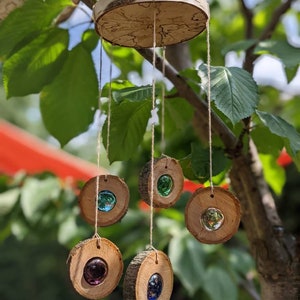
column 96, row 267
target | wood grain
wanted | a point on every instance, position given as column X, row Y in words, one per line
column 87, row 200
column 139, row 271
column 86, row 250
column 129, row 23
column 223, row 200
column 162, row 166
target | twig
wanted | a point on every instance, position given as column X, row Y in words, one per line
column 249, row 287
column 278, row 12
column 266, row 34
column 248, row 14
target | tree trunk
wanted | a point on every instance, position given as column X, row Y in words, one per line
column 286, row 288
column 275, row 251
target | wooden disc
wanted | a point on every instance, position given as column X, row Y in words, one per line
column 223, row 205
column 111, row 184
column 140, row 271
column 84, row 252
column 164, row 166
column 129, row 23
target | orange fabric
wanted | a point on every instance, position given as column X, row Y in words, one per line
column 21, row 151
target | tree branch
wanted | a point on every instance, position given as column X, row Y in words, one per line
column 248, row 15
column 266, row 34
column 276, row 16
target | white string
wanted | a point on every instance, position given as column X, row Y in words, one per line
column 96, row 235
column 209, row 108
column 152, row 133
column 163, row 91
column 109, row 104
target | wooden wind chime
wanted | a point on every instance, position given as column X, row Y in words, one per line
column 212, row 214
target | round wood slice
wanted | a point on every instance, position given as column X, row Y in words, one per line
column 140, row 270
column 224, row 202
column 92, row 248
column 88, row 200
column 7, row 6
column 129, row 23
column 162, row 166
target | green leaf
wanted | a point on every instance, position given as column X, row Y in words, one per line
column 281, row 128
column 186, row 165
column 136, row 93
column 291, row 73
column 68, row 104
column 266, row 142
column 24, row 23
column 36, row 195
column 119, row 55
column 127, row 128
column 291, row 111
column 90, row 40
column 288, row 54
column 68, row 230
column 7, row 200
column 35, row 65
column 239, row 46
column 187, row 258
column 241, row 261
column 233, row 90
column 192, row 78
column 178, row 114
column 218, row 284
column 200, row 161
column 274, row 174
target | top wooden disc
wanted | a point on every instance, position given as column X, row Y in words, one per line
column 129, row 23
column 221, row 213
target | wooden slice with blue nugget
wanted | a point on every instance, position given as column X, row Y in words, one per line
column 149, row 276
column 112, row 200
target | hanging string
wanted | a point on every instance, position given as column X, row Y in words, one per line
column 96, row 235
column 163, row 91
column 152, row 132
column 109, row 102
column 209, row 109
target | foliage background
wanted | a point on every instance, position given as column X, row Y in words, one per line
column 39, row 215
